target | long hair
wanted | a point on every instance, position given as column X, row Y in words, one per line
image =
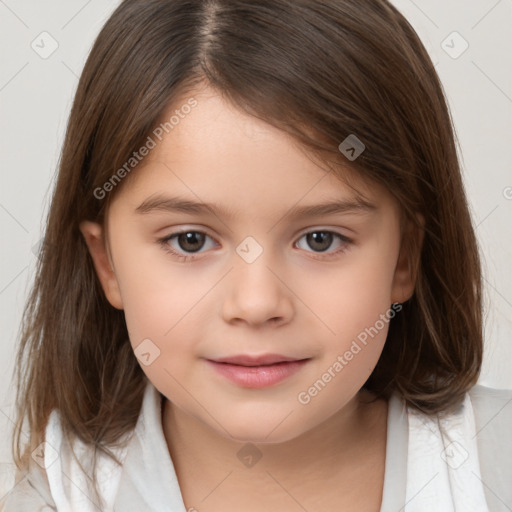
column 320, row 70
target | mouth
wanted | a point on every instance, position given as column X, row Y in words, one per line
column 262, row 360
column 257, row 372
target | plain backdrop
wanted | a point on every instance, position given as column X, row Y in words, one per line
column 469, row 42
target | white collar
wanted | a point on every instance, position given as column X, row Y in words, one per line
column 443, row 472
column 443, row 468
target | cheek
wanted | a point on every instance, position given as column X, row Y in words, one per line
column 162, row 321
column 352, row 306
column 355, row 317
column 351, row 296
column 170, row 314
column 156, row 291
column 161, row 301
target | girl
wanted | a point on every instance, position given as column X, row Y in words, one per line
column 260, row 286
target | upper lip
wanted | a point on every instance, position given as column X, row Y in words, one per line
column 247, row 360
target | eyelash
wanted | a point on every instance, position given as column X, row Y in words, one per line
column 164, row 242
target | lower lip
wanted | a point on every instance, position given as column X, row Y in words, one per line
column 258, row 377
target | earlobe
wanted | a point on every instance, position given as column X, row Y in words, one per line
column 93, row 234
column 403, row 284
column 406, row 270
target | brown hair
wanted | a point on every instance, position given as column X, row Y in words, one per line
column 318, row 69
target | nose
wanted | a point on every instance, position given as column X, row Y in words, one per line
column 257, row 294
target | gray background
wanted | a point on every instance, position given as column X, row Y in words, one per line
column 36, row 90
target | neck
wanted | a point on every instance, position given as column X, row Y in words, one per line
column 342, row 445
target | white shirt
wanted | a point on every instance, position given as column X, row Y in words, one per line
column 460, row 463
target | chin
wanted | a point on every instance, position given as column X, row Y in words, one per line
column 271, row 431
column 261, row 437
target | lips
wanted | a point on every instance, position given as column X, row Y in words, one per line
column 256, row 371
column 263, row 360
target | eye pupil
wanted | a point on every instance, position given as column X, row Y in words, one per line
column 324, row 238
column 188, row 240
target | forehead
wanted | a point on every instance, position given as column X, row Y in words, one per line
column 219, row 154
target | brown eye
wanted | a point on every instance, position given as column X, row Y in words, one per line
column 320, row 240
column 191, row 241
column 185, row 244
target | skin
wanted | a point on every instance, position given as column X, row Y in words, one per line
column 293, row 300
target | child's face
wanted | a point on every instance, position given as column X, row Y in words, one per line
column 257, row 284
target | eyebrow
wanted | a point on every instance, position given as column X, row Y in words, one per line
column 183, row 205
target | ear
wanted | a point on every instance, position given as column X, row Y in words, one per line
column 94, row 237
column 406, row 270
